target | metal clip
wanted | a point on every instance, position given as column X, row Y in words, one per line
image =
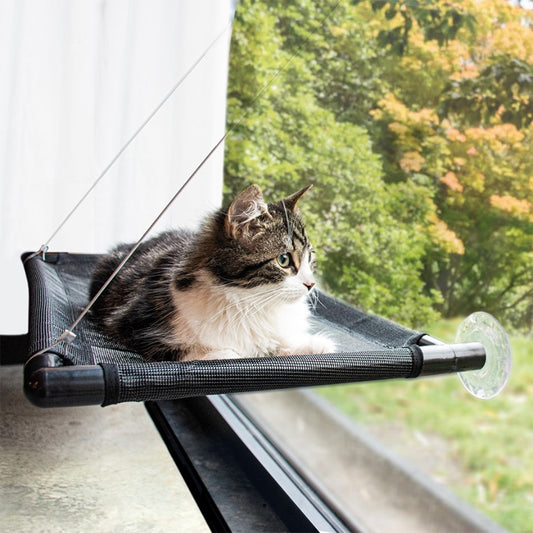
column 67, row 336
column 42, row 251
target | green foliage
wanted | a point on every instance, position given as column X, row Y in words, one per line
column 458, row 121
column 420, row 153
column 413, row 121
column 479, row 247
column 504, row 89
column 419, row 145
column 439, row 21
column 335, row 38
column 284, row 139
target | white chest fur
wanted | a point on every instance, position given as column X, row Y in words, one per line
column 239, row 322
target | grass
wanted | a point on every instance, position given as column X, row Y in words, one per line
column 491, row 440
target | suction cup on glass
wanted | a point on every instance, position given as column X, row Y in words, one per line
column 489, row 381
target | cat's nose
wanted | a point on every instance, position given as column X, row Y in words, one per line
column 309, row 284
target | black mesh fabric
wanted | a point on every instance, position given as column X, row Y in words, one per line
column 369, row 346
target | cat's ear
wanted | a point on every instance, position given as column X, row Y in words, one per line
column 292, row 200
column 244, row 211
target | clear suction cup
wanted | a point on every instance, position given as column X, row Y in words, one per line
column 489, row 381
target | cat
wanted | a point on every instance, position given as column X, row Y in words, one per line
column 238, row 287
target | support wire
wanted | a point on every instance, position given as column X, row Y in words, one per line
column 146, row 121
column 68, row 335
column 143, row 236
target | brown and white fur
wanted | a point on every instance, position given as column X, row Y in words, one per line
column 238, row 287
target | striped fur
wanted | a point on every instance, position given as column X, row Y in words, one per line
column 236, row 288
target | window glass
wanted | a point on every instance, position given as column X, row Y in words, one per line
column 413, row 121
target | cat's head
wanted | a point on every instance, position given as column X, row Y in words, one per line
column 262, row 245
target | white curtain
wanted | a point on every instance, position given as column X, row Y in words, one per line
column 77, row 78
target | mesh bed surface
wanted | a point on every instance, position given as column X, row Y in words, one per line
column 369, row 346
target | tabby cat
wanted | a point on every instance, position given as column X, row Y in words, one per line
column 236, row 288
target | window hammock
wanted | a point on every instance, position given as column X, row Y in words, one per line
column 88, row 368
column 93, row 369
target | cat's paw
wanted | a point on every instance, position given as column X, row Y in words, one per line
column 321, row 344
column 212, row 356
column 312, row 344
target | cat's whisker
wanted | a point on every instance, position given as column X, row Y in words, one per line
column 314, row 300
column 244, row 306
column 318, row 299
column 219, row 291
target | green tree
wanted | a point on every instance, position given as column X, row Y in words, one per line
column 282, row 138
column 503, row 91
column 438, row 21
column 467, row 139
column 413, row 119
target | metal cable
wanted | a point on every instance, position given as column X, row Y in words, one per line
column 68, row 335
column 146, row 121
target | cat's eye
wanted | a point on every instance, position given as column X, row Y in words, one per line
column 284, row 260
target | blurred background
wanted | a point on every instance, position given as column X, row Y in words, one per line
column 413, row 120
